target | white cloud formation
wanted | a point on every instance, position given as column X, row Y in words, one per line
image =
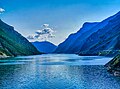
column 2, row 10
column 44, row 31
column 44, row 34
column 31, row 37
column 45, row 25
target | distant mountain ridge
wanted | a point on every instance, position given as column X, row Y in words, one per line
column 83, row 42
column 44, row 46
column 14, row 44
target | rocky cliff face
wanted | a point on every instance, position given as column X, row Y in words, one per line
column 13, row 44
column 113, row 66
column 94, row 38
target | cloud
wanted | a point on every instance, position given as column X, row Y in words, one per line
column 2, row 10
column 30, row 37
column 44, row 34
column 45, row 25
column 44, row 31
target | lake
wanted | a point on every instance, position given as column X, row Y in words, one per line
column 56, row 71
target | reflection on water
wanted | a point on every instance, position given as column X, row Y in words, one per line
column 56, row 72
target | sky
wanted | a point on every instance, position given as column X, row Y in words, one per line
column 62, row 17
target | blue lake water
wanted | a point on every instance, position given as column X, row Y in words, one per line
column 56, row 71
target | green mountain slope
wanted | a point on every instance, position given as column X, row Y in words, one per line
column 13, row 44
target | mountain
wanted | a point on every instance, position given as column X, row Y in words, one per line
column 74, row 40
column 105, row 41
column 86, row 38
column 14, row 44
column 44, row 46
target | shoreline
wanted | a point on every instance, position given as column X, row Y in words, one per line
column 3, row 56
